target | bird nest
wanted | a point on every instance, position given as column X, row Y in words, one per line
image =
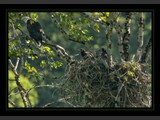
column 91, row 83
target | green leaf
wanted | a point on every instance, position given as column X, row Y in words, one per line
column 90, row 38
column 103, row 18
column 43, row 63
column 96, row 27
column 107, row 14
column 125, row 78
column 96, row 13
column 33, row 69
column 34, row 16
column 56, row 64
column 32, row 57
column 130, row 73
column 29, row 68
column 45, row 49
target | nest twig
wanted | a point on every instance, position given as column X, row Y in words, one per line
column 91, row 84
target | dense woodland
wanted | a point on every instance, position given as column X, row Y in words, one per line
column 114, row 71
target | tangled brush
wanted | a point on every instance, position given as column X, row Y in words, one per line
column 92, row 83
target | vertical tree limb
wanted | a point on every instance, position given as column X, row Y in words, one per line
column 108, row 41
column 140, row 36
column 126, row 36
column 120, row 38
column 146, row 52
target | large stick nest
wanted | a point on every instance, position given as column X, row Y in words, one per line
column 91, row 83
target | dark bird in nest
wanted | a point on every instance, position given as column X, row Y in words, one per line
column 86, row 55
column 105, row 56
column 34, row 29
column 73, row 63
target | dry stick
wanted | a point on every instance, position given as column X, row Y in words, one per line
column 146, row 52
column 59, row 100
column 116, row 98
column 140, row 36
column 126, row 36
column 12, row 103
column 39, row 86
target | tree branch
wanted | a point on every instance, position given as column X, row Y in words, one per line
column 126, row 36
column 15, row 68
column 21, row 90
column 140, row 36
column 146, row 52
column 59, row 26
column 12, row 103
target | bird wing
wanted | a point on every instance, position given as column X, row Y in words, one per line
column 34, row 29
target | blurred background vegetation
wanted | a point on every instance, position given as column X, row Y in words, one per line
column 47, row 75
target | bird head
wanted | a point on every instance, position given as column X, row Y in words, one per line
column 103, row 49
column 25, row 18
column 81, row 49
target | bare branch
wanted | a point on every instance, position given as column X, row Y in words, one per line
column 39, row 86
column 15, row 68
column 140, row 36
column 12, row 103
